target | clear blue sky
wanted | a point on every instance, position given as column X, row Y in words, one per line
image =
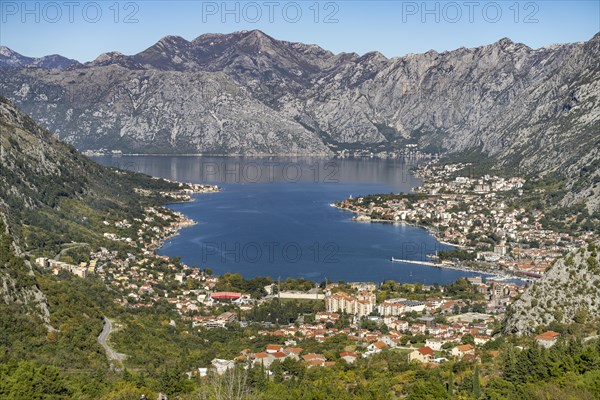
column 85, row 29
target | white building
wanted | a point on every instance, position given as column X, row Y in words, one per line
column 221, row 366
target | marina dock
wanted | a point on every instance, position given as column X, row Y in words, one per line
column 427, row 263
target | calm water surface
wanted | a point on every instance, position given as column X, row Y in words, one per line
column 273, row 218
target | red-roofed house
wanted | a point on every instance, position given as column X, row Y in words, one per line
column 313, row 356
column 264, row 359
column 279, row 355
column 273, row 348
column 376, row 347
column 547, row 339
column 463, row 350
column 293, row 352
column 348, row 356
column 424, row 355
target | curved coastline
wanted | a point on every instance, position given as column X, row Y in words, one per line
column 184, row 221
column 495, row 275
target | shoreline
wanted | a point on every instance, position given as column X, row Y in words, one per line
column 432, row 232
column 161, row 242
column 494, row 275
column 183, row 222
column 258, row 155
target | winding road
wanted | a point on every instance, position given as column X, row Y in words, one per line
column 106, row 331
column 67, row 247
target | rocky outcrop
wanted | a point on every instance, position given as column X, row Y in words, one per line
column 21, row 293
column 569, row 292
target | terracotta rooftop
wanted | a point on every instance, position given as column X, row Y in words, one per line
column 294, row 350
column 465, row 347
column 314, row 356
column 380, row 344
column 549, row 335
column 426, row 351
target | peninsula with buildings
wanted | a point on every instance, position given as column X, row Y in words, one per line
column 489, row 219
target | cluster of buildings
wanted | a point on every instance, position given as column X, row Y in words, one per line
column 143, row 278
column 213, row 321
column 145, row 234
column 272, row 353
column 395, row 307
column 442, row 341
column 408, row 152
column 445, row 325
column 468, row 212
column 360, row 305
column 58, row 266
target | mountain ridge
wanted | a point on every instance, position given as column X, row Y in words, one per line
column 10, row 58
column 210, row 35
column 532, row 110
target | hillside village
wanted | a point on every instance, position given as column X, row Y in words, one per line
column 301, row 325
column 431, row 331
column 429, row 324
column 343, row 322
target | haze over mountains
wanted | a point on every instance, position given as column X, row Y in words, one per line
column 248, row 93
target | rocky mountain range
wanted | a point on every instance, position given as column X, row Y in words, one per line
column 12, row 59
column 245, row 92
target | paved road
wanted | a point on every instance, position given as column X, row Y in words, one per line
column 67, row 247
column 106, row 331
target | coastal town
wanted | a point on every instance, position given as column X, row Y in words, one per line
column 492, row 232
column 430, row 324
column 333, row 323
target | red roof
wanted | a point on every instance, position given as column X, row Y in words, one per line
column 426, row 351
column 225, row 295
column 465, row 347
column 294, row 350
column 313, row 356
column 549, row 335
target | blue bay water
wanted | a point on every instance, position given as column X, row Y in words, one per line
column 273, row 217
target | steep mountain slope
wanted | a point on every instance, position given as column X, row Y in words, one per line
column 17, row 285
column 159, row 111
column 245, row 92
column 569, row 292
column 50, row 194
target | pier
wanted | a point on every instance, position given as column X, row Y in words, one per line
column 427, row 263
